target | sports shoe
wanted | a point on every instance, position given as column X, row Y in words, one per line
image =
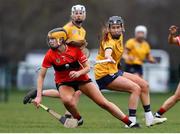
column 134, row 125
column 80, row 121
column 68, row 123
column 159, row 116
column 29, row 96
column 156, row 121
column 68, row 114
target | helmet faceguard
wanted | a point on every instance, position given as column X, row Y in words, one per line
column 78, row 13
column 141, row 29
column 56, row 37
column 116, row 20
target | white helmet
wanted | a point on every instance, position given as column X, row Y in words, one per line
column 78, row 8
column 141, row 28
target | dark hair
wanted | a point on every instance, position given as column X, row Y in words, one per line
column 104, row 33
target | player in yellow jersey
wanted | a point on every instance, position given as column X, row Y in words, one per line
column 76, row 33
column 137, row 51
column 171, row 101
column 109, row 77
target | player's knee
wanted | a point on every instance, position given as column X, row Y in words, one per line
column 136, row 90
column 177, row 97
column 67, row 100
column 145, row 86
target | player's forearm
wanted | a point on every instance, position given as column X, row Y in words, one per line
column 40, row 81
column 108, row 53
column 125, row 56
column 86, row 69
column 151, row 59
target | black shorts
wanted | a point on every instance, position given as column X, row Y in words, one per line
column 104, row 81
column 134, row 69
column 74, row 84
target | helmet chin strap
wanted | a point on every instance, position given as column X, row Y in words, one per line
column 54, row 48
column 116, row 36
column 140, row 39
column 77, row 22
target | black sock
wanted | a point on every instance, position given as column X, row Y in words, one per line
column 132, row 112
column 147, row 108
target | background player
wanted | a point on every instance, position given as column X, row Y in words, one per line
column 137, row 51
column 109, row 77
column 171, row 101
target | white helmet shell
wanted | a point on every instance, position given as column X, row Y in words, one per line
column 141, row 28
column 78, row 8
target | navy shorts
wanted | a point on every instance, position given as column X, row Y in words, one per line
column 74, row 84
column 104, row 81
column 134, row 69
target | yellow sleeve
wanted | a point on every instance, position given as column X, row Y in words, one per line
column 148, row 49
column 84, row 34
column 107, row 44
column 129, row 44
column 67, row 28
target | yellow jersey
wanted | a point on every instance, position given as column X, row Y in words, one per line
column 137, row 50
column 74, row 33
column 104, row 69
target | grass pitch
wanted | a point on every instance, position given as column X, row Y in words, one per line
column 16, row 117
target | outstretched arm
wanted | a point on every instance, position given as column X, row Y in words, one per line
column 108, row 53
column 151, row 59
column 40, row 81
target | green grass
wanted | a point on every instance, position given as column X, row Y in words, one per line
column 16, row 117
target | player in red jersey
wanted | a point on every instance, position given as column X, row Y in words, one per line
column 71, row 68
column 171, row 101
column 76, row 37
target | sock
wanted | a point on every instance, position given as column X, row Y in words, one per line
column 132, row 115
column 126, row 120
column 147, row 108
column 161, row 111
column 149, row 118
column 132, row 119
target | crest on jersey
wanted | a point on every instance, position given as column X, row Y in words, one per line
column 74, row 31
column 58, row 60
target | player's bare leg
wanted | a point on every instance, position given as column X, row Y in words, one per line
column 169, row 103
column 93, row 92
column 126, row 85
column 75, row 98
column 66, row 94
column 50, row 93
column 145, row 99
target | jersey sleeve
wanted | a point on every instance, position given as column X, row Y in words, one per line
column 47, row 61
column 67, row 28
column 129, row 45
column 81, row 56
column 148, row 49
column 107, row 45
column 178, row 39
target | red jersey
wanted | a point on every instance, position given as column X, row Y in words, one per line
column 63, row 63
column 178, row 38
